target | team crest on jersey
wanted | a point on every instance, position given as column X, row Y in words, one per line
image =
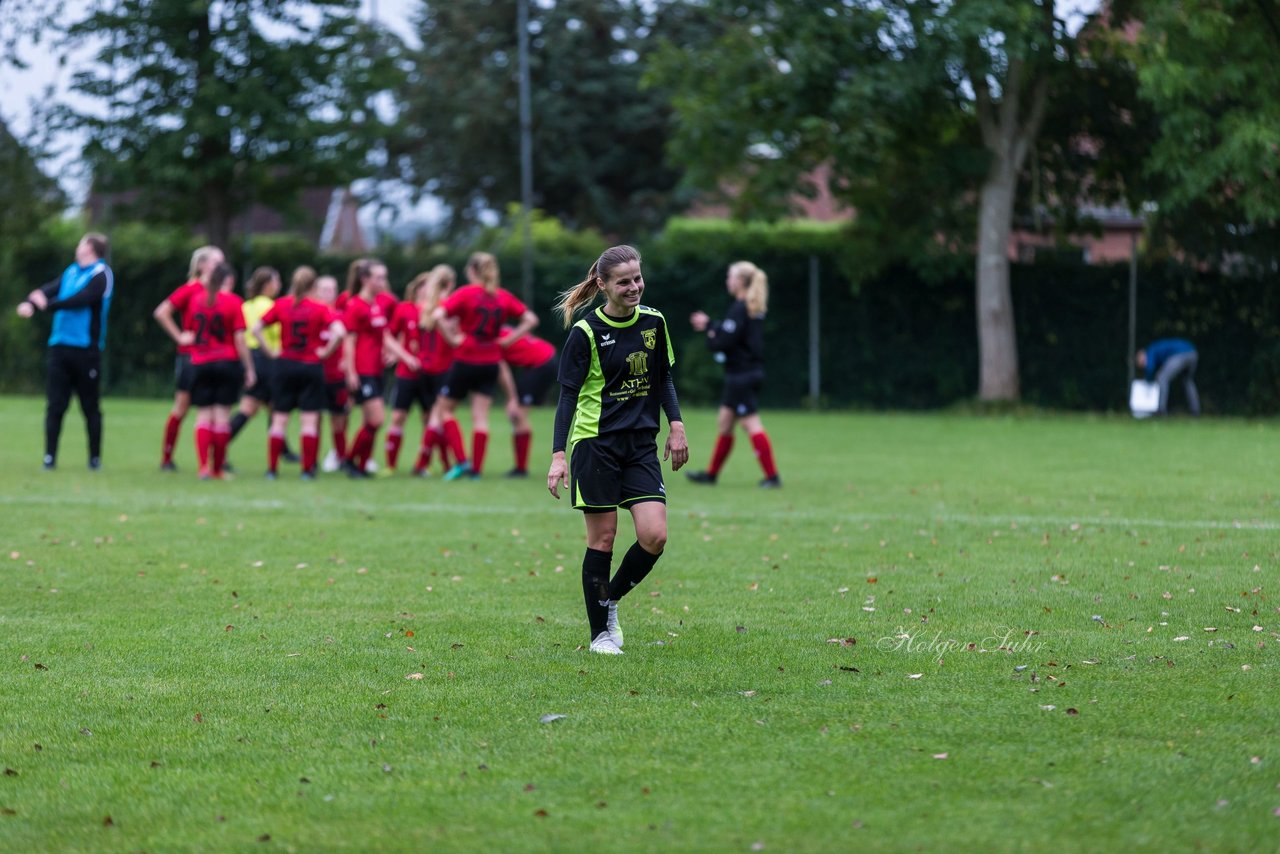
column 650, row 337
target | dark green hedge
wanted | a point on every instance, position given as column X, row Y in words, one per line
column 896, row 340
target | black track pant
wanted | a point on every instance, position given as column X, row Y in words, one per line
column 73, row 369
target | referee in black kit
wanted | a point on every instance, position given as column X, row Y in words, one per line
column 615, row 376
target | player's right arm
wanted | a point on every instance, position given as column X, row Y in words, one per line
column 575, row 361
column 164, row 316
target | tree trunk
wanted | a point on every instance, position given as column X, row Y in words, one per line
column 997, row 343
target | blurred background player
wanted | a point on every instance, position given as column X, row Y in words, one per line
column 213, row 327
column 738, row 341
column 1165, row 360
column 79, row 301
column 615, row 380
column 203, row 260
column 481, row 308
column 441, row 337
column 337, row 398
column 310, row 332
column 367, row 319
column 260, row 294
column 528, row 370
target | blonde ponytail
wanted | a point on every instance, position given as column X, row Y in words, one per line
column 756, row 293
column 585, row 291
column 301, row 282
column 440, row 280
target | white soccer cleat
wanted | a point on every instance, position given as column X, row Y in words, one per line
column 331, row 462
column 604, row 645
column 615, row 630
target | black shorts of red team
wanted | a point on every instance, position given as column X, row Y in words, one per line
column 298, row 385
column 615, row 470
column 466, row 378
column 263, row 368
column 532, row 384
column 742, row 392
column 337, row 398
column 421, row 390
column 216, row 383
column 370, row 388
column 183, row 374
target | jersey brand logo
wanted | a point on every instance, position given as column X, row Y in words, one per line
column 606, row 340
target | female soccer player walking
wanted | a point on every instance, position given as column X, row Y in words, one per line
column 299, row 380
column 615, row 375
column 203, row 260
column 213, row 327
column 739, row 341
column 481, row 308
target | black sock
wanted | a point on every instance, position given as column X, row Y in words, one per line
column 237, row 423
column 595, row 588
column 635, row 566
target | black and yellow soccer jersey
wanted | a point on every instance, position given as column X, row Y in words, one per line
column 619, row 368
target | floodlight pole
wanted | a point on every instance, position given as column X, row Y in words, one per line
column 526, row 154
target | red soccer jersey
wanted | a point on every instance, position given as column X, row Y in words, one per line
column 215, row 325
column 301, row 325
column 433, row 353
column 333, row 364
column 180, row 296
column 480, row 316
column 367, row 322
column 529, row 351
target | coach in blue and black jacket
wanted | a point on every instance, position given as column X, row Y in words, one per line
column 79, row 301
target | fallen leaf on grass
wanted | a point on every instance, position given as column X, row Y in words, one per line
column 9, row 772
column 1181, row 638
column 939, row 756
column 199, row 718
column 914, row 675
column 842, row 641
column 1073, row 712
column 550, row 718
column 266, row 837
column 747, row 693
column 8, row 811
column 541, row 813
column 107, row 822
column 414, row 676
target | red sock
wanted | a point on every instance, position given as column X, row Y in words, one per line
column 522, row 442
column 221, row 438
column 171, row 428
column 340, row 442
column 479, row 442
column 310, row 450
column 424, row 450
column 204, row 441
column 453, row 436
column 764, row 453
column 392, row 446
column 275, row 447
column 724, row 444
column 363, row 446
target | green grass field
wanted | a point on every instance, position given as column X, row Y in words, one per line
column 1066, row 635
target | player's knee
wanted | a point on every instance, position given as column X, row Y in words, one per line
column 603, row 540
column 653, row 541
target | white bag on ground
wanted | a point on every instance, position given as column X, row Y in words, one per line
column 1144, row 398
